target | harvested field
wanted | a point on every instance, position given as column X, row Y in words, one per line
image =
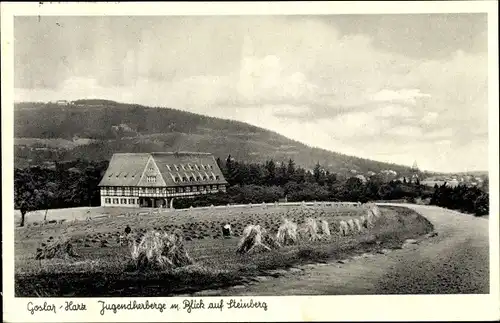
column 217, row 263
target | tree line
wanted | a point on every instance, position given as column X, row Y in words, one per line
column 74, row 184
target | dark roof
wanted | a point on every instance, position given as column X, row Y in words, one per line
column 129, row 169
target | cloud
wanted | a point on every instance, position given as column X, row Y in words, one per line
column 393, row 110
column 408, row 96
column 299, row 76
column 430, row 118
column 403, row 131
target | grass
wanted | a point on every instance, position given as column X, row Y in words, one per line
column 105, row 271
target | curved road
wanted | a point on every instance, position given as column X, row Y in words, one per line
column 456, row 261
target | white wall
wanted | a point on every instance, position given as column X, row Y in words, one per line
column 113, row 199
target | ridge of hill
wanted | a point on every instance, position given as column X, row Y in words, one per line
column 95, row 129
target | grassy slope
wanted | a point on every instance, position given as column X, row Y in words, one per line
column 152, row 129
column 102, row 271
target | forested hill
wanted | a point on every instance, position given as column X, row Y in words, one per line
column 95, row 129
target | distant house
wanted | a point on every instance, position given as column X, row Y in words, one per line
column 361, row 178
column 62, row 102
column 155, row 179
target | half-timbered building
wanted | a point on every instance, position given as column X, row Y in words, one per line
column 155, row 179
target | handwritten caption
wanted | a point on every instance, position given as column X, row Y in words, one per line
column 187, row 305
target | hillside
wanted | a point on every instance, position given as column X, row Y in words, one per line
column 95, row 129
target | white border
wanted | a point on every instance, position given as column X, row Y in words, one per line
column 290, row 308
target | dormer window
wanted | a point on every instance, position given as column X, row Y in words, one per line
column 203, row 166
column 151, row 179
column 168, row 167
column 196, row 167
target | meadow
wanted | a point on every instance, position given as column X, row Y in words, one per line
column 102, row 268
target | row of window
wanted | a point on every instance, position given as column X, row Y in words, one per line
column 178, row 179
column 127, row 191
column 189, row 167
column 194, row 178
column 120, row 201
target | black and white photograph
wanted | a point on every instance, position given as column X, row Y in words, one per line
column 240, row 156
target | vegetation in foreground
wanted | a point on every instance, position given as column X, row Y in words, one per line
column 106, row 271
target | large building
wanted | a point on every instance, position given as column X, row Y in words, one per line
column 155, row 179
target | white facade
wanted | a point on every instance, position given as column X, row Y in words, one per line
column 153, row 196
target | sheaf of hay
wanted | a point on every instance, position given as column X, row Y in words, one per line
column 309, row 230
column 59, row 248
column 352, row 226
column 343, row 228
column 324, row 229
column 159, row 251
column 364, row 222
column 287, row 233
column 256, row 238
column 357, row 224
column 373, row 209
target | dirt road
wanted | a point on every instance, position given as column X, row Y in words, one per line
column 454, row 261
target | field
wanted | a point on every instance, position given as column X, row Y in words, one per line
column 102, row 269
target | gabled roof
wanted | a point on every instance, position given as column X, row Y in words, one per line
column 124, row 170
column 202, row 165
column 128, row 169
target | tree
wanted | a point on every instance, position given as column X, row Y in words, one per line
column 27, row 196
column 255, row 172
column 353, row 190
column 486, row 185
column 270, row 172
column 481, row 205
column 318, row 174
column 290, row 169
column 231, row 170
column 282, row 176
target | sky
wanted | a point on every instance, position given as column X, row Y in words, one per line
column 395, row 88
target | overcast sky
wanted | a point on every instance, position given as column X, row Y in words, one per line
column 394, row 88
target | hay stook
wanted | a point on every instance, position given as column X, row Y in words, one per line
column 60, row 248
column 324, row 229
column 159, row 251
column 256, row 239
column 309, row 230
column 287, row 233
column 343, row 228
